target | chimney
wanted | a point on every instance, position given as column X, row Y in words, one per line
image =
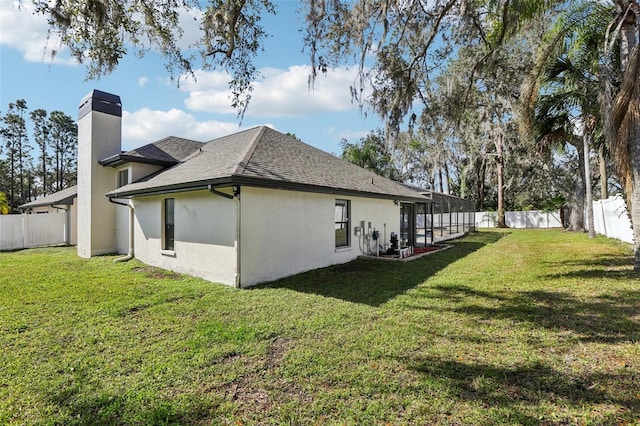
column 99, row 137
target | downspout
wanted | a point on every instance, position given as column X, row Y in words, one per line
column 129, row 254
column 236, row 194
column 67, row 231
column 238, row 283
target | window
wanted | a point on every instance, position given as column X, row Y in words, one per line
column 342, row 223
column 169, row 221
column 123, row 177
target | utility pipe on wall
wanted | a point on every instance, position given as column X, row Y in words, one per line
column 129, row 254
column 236, row 194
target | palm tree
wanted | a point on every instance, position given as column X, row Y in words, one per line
column 553, row 127
column 623, row 112
column 569, row 87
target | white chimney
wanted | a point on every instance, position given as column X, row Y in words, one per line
column 99, row 137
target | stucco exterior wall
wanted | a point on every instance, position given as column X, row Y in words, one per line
column 205, row 235
column 288, row 232
column 140, row 170
column 98, row 138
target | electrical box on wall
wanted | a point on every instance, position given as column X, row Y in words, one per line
column 357, row 230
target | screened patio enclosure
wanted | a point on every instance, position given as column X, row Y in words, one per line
column 443, row 218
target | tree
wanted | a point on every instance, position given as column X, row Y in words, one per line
column 4, row 204
column 41, row 136
column 64, row 136
column 369, row 153
column 101, row 33
column 620, row 108
column 14, row 134
column 623, row 114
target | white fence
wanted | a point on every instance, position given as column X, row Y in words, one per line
column 524, row 219
column 610, row 218
column 33, row 230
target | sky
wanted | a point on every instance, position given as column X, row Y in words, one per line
column 154, row 106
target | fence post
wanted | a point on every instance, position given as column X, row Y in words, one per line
column 24, row 229
column 604, row 218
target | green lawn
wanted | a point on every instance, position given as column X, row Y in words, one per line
column 514, row 327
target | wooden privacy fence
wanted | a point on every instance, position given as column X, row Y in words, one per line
column 19, row 231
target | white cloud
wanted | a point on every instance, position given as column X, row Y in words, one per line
column 142, row 81
column 25, row 31
column 189, row 21
column 281, row 93
column 145, row 126
column 350, row 135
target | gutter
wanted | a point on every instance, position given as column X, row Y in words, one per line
column 212, row 188
column 129, row 254
column 264, row 183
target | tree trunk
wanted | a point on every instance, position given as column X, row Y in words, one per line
column 12, row 169
column 502, row 223
column 604, row 184
column 634, row 203
column 587, row 183
column 480, row 176
column 576, row 214
column 629, row 60
column 447, row 176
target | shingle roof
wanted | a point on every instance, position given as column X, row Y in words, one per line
column 168, row 151
column 264, row 157
column 63, row 197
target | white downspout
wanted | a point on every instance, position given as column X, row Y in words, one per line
column 238, row 283
column 129, row 254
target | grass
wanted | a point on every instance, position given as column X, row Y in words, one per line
column 514, row 327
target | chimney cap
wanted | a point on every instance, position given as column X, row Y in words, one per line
column 100, row 101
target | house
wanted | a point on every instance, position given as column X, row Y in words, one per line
column 242, row 209
column 64, row 200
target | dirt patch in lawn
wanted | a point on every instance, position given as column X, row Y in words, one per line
column 262, row 388
column 153, row 272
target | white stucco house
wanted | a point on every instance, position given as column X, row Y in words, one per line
column 242, row 209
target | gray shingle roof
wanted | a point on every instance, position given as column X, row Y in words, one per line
column 168, row 151
column 63, row 197
column 264, row 157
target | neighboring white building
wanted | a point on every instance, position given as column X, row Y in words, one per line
column 61, row 201
column 242, row 209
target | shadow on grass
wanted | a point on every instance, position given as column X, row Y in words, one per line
column 375, row 282
column 513, row 390
column 618, row 267
column 603, row 318
column 107, row 409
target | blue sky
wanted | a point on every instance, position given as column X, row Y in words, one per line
column 155, row 107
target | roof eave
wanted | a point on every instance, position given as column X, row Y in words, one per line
column 64, row 202
column 120, row 159
column 263, row 183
